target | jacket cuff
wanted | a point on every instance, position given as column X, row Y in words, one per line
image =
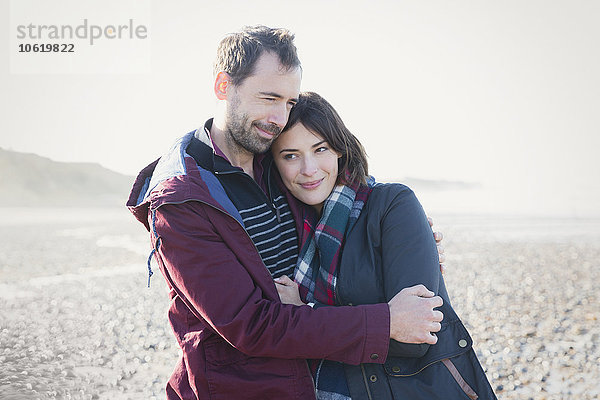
column 377, row 334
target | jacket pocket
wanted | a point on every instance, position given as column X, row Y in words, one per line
column 433, row 383
column 453, row 340
column 222, row 353
column 459, row 379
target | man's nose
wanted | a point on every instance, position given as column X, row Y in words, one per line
column 279, row 115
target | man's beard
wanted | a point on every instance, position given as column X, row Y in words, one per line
column 241, row 134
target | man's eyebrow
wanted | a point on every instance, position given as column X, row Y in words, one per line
column 270, row 94
column 277, row 95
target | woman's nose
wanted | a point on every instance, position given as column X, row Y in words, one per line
column 309, row 167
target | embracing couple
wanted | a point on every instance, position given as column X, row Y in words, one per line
column 292, row 273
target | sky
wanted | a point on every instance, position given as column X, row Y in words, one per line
column 504, row 95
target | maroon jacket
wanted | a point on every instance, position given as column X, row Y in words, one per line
column 238, row 340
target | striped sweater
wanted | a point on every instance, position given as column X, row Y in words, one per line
column 265, row 214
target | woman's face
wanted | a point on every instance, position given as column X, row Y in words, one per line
column 307, row 164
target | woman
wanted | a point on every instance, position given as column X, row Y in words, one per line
column 362, row 243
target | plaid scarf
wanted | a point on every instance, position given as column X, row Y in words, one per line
column 321, row 242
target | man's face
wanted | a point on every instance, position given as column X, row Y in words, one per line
column 258, row 108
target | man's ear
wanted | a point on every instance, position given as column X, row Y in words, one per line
column 222, row 83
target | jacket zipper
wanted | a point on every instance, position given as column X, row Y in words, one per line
column 364, row 374
column 415, row 373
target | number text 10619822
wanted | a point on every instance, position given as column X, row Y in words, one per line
column 46, row 48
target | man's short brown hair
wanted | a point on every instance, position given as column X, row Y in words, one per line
column 238, row 52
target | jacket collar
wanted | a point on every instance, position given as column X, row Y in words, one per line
column 206, row 153
column 189, row 152
column 210, row 157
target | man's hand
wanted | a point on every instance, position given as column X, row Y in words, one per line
column 412, row 315
column 288, row 291
column 438, row 241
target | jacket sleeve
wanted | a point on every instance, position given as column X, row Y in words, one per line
column 220, row 287
column 409, row 255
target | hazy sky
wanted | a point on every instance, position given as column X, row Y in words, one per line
column 502, row 93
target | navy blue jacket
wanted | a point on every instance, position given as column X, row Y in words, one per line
column 390, row 248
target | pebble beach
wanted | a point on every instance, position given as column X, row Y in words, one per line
column 77, row 320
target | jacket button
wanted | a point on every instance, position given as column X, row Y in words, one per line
column 396, row 369
column 373, row 378
column 462, row 343
column 374, row 356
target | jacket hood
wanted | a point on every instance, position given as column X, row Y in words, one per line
column 140, row 211
column 176, row 177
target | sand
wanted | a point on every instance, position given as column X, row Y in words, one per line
column 78, row 322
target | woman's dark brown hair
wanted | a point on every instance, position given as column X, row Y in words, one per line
column 318, row 116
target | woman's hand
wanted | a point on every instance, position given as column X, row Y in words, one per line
column 288, row 291
column 438, row 241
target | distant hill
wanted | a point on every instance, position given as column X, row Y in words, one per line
column 31, row 180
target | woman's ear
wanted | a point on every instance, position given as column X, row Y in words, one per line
column 222, row 83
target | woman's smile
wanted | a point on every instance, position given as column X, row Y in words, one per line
column 311, row 185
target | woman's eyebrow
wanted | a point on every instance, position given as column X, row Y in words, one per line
column 312, row 147
column 283, row 150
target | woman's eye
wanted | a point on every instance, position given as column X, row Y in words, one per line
column 322, row 149
column 289, row 157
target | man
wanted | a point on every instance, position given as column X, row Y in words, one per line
column 221, row 231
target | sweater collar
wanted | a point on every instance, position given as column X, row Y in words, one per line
column 209, row 156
